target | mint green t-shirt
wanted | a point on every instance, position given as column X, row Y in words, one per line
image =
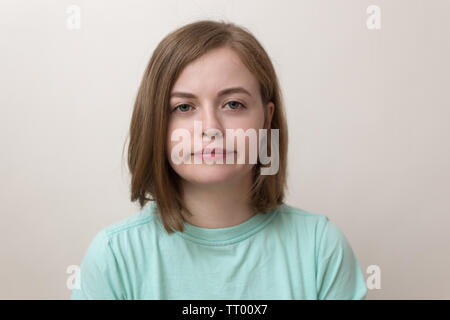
column 286, row 253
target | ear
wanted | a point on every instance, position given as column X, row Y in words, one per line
column 269, row 114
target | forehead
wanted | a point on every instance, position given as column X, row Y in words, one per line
column 215, row 70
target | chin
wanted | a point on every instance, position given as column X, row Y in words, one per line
column 212, row 174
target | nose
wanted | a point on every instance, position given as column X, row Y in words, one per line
column 211, row 122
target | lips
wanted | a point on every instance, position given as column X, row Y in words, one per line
column 212, row 151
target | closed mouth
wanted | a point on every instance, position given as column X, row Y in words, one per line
column 213, row 152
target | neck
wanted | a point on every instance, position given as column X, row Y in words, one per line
column 218, row 205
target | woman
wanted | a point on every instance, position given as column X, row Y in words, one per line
column 214, row 229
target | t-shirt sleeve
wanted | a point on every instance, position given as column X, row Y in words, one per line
column 338, row 275
column 98, row 277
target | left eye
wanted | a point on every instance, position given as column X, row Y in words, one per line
column 234, row 104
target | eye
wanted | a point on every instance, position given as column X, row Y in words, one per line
column 234, row 105
column 182, row 107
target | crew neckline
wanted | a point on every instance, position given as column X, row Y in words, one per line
column 227, row 235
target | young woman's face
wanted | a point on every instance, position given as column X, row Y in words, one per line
column 204, row 78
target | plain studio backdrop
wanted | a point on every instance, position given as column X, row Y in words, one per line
column 366, row 89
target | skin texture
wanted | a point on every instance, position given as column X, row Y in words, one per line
column 216, row 193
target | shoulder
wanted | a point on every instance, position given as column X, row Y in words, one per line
column 100, row 274
column 143, row 219
column 337, row 271
column 302, row 219
column 314, row 226
column 125, row 233
column 120, row 239
column 300, row 214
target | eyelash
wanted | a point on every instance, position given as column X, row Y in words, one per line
column 242, row 105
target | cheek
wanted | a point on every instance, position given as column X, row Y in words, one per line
column 253, row 120
column 172, row 126
column 178, row 129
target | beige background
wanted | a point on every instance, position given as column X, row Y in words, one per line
column 368, row 114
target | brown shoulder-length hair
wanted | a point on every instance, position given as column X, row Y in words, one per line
column 152, row 177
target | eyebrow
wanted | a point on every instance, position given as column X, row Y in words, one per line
column 220, row 94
